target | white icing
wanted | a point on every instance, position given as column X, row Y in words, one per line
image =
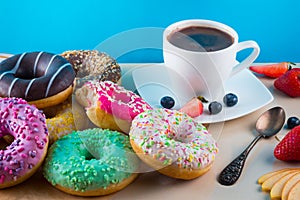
column 35, row 64
column 28, row 87
column 170, row 136
column 12, row 85
column 2, row 75
column 13, row 71
column 54, row 76
column 49, row 64
column 16, row 67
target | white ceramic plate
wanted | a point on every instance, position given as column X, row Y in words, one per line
column 251, row 92
column 252, row 95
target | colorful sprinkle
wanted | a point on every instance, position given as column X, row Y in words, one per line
column 171, row 136
column 14, row 120
column 90, row 159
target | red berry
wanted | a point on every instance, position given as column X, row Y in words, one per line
column 272, row 70
column 193, row 108
column 289, row 147
column 289, row 83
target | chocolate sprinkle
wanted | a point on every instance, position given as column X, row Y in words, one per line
column 92, row 64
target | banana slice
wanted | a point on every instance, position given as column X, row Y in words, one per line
column 276, row 190
column 288, row 186
column 269, row 182
column 264, row 177
column 294, row 193
column 282, row 184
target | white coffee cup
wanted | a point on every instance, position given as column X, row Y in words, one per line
column 207, row 71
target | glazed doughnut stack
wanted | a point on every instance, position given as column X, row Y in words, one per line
column 38, row 95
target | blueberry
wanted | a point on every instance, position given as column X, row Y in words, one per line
column 230, row 99
column 214, row 107
column 292, row 122
column 167, row 102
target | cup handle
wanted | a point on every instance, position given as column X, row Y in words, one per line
column 250, row 59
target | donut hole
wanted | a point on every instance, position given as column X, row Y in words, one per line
column 182, row 134
column 6, row 137
column 3, row 144
column 27, row 73
column 88, row 155
column 30, row 69
column 25, row 76
column 121, row 97
column 5, row 141
column 181, row 139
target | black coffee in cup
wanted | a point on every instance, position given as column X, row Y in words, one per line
column 200, row 39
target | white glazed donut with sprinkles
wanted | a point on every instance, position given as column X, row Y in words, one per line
column 173, row 143
column 21, row 159
column 110, row 106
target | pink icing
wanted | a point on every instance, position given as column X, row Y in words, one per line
column 27, row 125
column 118, row 101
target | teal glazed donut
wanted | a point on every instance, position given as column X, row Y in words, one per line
column 91, row 162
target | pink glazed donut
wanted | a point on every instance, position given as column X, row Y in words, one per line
column 110, row 106
column 21, row 159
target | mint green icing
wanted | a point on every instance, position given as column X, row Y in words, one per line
column 90, row 159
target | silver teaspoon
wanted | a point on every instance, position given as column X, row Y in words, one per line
column 267, row 125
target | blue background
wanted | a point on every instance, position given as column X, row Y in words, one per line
column 56, row 26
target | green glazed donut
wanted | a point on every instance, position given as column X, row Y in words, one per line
column 92, row 162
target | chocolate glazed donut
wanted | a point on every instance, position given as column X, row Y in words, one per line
column 35, row 76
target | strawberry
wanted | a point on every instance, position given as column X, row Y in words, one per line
column 193, row 108
column 289, row 147
column 289, row 82
column 272, row 70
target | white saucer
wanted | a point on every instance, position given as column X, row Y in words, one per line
column 251, row 92
column 252, row 95
column 156, row 81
